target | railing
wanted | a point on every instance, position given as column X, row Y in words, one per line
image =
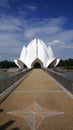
column 7, row 82
column 67, row 83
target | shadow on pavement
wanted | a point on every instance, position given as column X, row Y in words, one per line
column 6, row 125
column 16, row 128
column 1, row 110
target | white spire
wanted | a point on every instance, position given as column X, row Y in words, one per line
column 36, row 51
column 50, row 52
column 23, row 53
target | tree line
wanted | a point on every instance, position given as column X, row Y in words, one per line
column 63, row 63
column 7, row 64
column 66, row 63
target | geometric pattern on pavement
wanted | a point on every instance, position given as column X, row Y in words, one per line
column 35, row 114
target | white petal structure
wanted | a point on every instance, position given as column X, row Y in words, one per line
column 36, row 55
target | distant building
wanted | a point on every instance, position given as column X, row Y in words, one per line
column 37, row 55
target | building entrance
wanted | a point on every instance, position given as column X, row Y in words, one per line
column 37, row 65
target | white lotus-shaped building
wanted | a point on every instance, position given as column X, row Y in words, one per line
column 36, row 55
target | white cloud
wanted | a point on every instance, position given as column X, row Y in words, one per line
column 15, row 33
column 64, row 40
column 66, row 35
column 45, row 27
column 30, row 7
column 9, row 24
column 4, row 3
column 10, row 33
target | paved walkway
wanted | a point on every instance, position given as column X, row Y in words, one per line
column 38, row 103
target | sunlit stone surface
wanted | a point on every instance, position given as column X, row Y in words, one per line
column 35, row 114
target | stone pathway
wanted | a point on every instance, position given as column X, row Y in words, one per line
column 38, row 103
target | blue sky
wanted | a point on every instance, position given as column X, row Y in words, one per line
column 22, row 20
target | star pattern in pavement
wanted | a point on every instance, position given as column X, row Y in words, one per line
column 34, row 115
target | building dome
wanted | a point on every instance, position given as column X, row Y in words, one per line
column 36, row 55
